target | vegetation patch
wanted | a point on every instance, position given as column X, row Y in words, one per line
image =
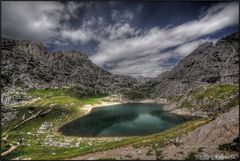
column 64, row 109
column 158, row 141
column 133, row 94
column 19, row 83
column 186, row 104
column 40, row 138
column 48, row 93
column 233, row 102
column 212, row 99
column 33, row 143
column 215, row 92
column 77, row 92
column 176, row 98
column 234, row 146
column 191, row 156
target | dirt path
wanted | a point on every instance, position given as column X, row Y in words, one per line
column 40, row 112
column 12, row 148
column 123, row 153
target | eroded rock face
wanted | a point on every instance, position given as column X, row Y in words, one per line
column 208, row 64
column 27, row 47
column 205, row 140
column 205, row 101
column 28, row 65
column 8, row 115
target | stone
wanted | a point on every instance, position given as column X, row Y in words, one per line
column 139, row 152
column 207, row 64
column 91, row 158
column 77, row 144
column 31, row 66
column 224, row 129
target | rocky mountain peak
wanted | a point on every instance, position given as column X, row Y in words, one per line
column 29, row 65
column 23, row 46
column 207, row 64
column 231, row 38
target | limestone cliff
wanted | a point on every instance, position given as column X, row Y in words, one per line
column 207, row 64
column 27, row 64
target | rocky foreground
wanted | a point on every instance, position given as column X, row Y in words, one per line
column 205, row 142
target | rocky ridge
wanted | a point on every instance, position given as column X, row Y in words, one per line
column 26, row 65
column 204, row 101
column 204, row 141
column 207, row 64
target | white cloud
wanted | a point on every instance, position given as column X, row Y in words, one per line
column 187, row 48
column 158, row 39
column 123, row 16
column 77, row 35
column 38, row 21
column 60, row 43
column 135, row 51
column 120, row 31
column 73, row 6
column 142, row 66
column 216, row 18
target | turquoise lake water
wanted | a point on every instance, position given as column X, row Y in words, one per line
column 123, row 120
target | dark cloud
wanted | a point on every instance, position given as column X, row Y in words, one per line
column 135, row 38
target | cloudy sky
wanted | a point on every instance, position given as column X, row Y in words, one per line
column 131, row 38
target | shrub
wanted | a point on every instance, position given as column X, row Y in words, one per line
column 191, row 156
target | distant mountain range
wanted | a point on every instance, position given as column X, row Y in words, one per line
column 29, row 65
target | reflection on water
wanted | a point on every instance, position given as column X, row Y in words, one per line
column 123, row 120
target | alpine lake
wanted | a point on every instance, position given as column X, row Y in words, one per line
column 130, row 119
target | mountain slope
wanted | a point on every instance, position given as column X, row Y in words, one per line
column 28, row 65
column 207, row 64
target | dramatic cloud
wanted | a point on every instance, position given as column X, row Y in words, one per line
column 77, row 35
column 37, row 21
column 121, row 40
column 147, row 65
column 187, row 48
column 157, row 40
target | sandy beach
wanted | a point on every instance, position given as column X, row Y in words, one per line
column 89, row 107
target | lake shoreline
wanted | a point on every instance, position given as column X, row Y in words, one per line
column 181, row 112
column 89, row 107
column 124, row 120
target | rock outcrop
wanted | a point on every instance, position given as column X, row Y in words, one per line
column 207, row 64
column 204, row 142
column 204, row 101
column 29, row 65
